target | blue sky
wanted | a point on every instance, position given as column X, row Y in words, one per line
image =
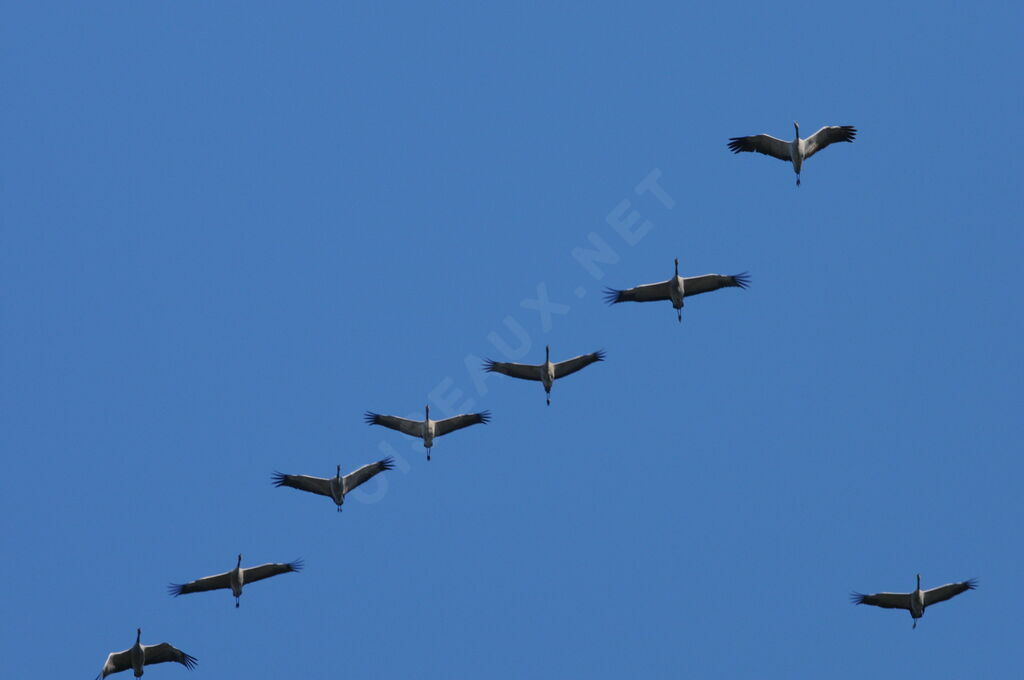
column 230, row 229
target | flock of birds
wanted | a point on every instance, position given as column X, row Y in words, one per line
column 675, row 290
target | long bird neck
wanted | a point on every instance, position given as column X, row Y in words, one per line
column 138, row 654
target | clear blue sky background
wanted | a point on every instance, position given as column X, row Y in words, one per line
column 230, row 228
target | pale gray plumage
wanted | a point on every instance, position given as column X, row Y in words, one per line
column 547, row 372
column 427, row 429
column 917, row 601
column 235, row 579
column 139, row 655
column 676, row 289
column 335, row 487
column 798, row 150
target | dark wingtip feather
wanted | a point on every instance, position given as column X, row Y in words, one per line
column 175, row 589
column 278, row 478
column 370, row 418
column 611, row 295
column 189, row 661
column 742, row 280
column 972, row 583
column 296, row 565
column 485, row 417
column 599, row 355
column 489, row 365
column 387, row 464
column 857, row 598
column 737, row 144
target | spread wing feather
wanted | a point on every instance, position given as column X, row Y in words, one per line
column 460, row 421
column 521, row 371
column 695, row 285
column 885, row 600
column 830, row 134
column 646, row 293
column 947, row 591
column 410, row 427
column 354, row 479
column 165, row 652
column 115, row 663
column 766, row 144
column 318, row 485
column 201, row 584
column 570, row 366
column 263, row 571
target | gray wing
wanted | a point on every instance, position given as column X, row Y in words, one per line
column 164, row 652
column 885, row 600
column 201, row 584
column 115, row 663
column 521, row 371
column 695, row 285
column 646, row 293
column 270, row 569
column 317, row 485
column 828, row 135
column 357, row 477
column 947, row 591
column 411, row 427
column 460, row 421
column 570, row 366
column 766, row 144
